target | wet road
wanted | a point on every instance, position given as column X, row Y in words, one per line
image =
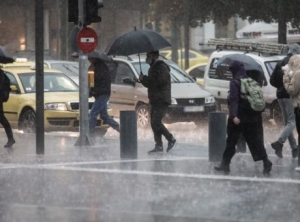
column 93, row 184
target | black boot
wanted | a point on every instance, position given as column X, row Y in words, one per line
column 267, row 166
column 223, row 167
column 10, row 143
column 277, row 146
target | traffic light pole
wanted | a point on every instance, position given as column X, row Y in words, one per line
column 83, row 139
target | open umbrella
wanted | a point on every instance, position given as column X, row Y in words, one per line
column 137, row 41
column 5, row 57
column 253, row 68
column 249, row 62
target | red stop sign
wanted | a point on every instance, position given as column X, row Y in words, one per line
column 87, row 40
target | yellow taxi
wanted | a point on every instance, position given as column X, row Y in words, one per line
column 61, row 101
column 197, row 72
column 194, row 57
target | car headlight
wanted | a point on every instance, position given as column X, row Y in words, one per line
column 210, row 99
column 56, row 106
column 173, row 101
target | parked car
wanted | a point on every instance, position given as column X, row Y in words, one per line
column 70, row 68
column 194, row 57
column 218, row 83
column 190, row 103
column 61, row 98
column 197, row 71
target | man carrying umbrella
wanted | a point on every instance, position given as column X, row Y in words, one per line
column 158, row 83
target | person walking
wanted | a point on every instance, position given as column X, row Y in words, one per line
column 291, row 81
column 11, row 141
column 286, row 106
column 242, row 120
column 158, row 83
column 101, row 91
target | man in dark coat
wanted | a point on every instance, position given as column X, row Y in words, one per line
column 286, row 106
column 243, row 120
column 3, row 119
column 158, row 83
column 101, row 92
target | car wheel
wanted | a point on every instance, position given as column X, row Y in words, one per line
column 277, row 114
column 143, row 116
column 27, row 121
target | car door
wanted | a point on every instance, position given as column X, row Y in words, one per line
column 11, row 107
column 122, row 89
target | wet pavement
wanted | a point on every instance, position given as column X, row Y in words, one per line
column 76, row 184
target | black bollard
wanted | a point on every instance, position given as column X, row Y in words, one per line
column 217, row 135
column 128, row 135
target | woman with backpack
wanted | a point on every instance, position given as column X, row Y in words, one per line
column 242, row 119
column 3, row 120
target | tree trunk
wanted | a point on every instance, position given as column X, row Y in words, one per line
column 282, row 27
column 186, row 34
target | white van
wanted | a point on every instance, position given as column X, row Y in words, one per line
column 218, row 83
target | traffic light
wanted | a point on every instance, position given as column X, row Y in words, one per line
column 91, row 11
column 73, row 11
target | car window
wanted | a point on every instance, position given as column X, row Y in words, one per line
column 177, row 74
column 52, row 83
column 218, row 72
column 198, row 72
column 123, row 71
column 270, row 66
column 12, row 78
column 72, row 70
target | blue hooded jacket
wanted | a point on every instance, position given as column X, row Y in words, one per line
column 238, row 72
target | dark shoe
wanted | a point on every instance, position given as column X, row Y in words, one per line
column 267, row 166
column 10, row 143
column 171, row 144
column 295, row 153
column 277, row 146
column 157, row 149
column 223, row 167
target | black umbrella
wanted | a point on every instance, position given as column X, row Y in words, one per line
column 5, row 57
column 249, row 62
column 137, row 41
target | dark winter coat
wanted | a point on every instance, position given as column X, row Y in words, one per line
column 276, row 78
column 158, row 83
column 102, row 79
column 239, row 107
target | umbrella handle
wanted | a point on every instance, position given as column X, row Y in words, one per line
column 141, row 72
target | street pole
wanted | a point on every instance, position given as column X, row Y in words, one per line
column 39, row 75
column 83, row 139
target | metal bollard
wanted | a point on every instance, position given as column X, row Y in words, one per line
column 128, row 134
column 216, row 136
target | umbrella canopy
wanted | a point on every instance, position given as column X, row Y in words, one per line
column 5, row 57
column 137, row 41
column 249, row 62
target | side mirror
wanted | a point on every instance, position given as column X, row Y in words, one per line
column 14, row 88
column 128, row 81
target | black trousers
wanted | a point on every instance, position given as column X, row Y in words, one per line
column 157, row 113
column 297, row 117
column 5, row 123
column 254, row 137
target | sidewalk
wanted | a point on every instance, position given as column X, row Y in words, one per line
column 93, row 183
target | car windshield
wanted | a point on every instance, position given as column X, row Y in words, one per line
column 177, row 74
column 270, row 66
column 53, row 82
column 71, row 69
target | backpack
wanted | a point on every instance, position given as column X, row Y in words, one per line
column 252, row 92
column 5, row 88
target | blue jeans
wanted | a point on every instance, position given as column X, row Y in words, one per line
column 288, row 115
column 100, row 108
